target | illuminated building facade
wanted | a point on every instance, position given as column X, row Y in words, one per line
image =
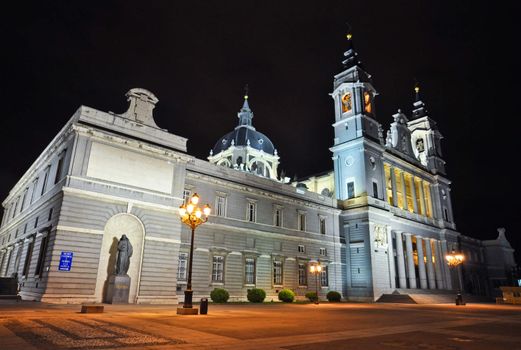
column 381, row 221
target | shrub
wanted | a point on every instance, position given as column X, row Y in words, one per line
column 286, row 295
column 256, row 295
column 219, row 295
column 312, row 296
column 333, row 296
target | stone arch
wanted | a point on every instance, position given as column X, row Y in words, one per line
column 261, row 167
column 225, row 162
column 116, row 226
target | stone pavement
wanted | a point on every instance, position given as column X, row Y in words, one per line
column 30, row 325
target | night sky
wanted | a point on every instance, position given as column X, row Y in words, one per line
column 197, row 57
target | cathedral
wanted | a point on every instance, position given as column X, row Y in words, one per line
column 379, row 223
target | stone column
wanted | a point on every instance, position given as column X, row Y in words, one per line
column 393, row 183
column 430, row 267
column 402, row 282
column 413, row 194
column 410, row 261
column 390, row 258
column 448, row 277
column 404, row 192
column 438, row 266
column 421, row 263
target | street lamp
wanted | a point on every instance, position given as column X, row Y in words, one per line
column 192, row 216
column 454, row 260
column 315, row 268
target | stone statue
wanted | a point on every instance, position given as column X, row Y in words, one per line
column 124, row 254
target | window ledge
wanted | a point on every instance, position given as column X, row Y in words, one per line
column 217, row 283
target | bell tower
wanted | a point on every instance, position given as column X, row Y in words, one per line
column 425, row 137
column 353, row 95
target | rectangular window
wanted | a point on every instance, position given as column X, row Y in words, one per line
column 252, row 211
column 323, row 251
column 35, row 187
column 45, row 178
column 324, row 278
column 399, row 188
column 59, row 168
column 445, row 214
column 408, row 191
column 218, row 269
column 301, row 249
column 36, row 222
column 15, row 206
column 302, row 222
column 419, row 202
column 28, row 258
column 427, row 196
column 277, row 272
column 375, row 190
column 221, row 206
column 388, row 184
column 249, row 271
column 182, row 267
column 302, row 275
column 350, row 190
column 24, row 197
column 41, row 255
column 277, row 217
column 323, row 225
column 186, row 196
column 50, row 214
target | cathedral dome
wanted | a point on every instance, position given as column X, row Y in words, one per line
column 244, row 136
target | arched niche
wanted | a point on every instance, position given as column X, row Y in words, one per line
column 116, row 226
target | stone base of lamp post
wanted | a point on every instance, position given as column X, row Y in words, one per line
column 187, row 308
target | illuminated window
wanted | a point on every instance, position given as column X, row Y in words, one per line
column 181, row 267
column 302, row 275
column 399, row 188
column 427, row 196
column 277, row 272
column 388, row 183
column 249, row 271
column 218, row 269
column 347, row 103
column 419, row 202
column 367, row 102
column 408, row 191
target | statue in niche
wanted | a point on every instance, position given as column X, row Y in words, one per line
column 124, row 254
column 419, row 145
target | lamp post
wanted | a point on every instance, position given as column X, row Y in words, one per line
column 192, row 216
column 315, row 268
column 454, row 260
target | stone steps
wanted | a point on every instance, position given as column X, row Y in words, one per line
column 428, row 296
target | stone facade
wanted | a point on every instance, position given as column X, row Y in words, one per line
column 380, row 221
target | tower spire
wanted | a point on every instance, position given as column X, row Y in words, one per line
column 419, row 107
column 245, row 115
column 351, row 56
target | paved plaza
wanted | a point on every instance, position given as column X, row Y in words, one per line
column 31, row 325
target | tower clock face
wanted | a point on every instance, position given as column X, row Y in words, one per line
column 349, row 160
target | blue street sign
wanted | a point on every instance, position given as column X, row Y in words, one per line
column 65, row 261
